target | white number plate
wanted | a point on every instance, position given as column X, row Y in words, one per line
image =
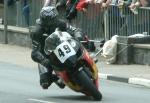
column 64, row 51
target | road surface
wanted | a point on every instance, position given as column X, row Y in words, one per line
column 19, row 84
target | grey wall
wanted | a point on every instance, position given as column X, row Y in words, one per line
column 133, row 50
column 16, row 36
column 142, row 54
column 137, row 53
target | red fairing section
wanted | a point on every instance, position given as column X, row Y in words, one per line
column 88, row 58
column 63, row 75
column 82, row 4
column 97, row 83
column 90, row 62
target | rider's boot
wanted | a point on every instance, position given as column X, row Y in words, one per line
column 46, row 76
column 60, row 84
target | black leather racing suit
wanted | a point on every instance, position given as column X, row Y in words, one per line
column 38, row 41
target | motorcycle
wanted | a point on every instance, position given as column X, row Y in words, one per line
column 73, row 64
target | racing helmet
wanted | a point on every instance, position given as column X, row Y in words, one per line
column 48, row 15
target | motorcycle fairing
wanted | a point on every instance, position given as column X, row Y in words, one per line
column 64, row 51
column 56, row 39
column 94, row 69
column 91, row 63
column 64, row 76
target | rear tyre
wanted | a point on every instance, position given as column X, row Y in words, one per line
column 86, row 82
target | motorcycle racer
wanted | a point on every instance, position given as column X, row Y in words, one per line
column 46, row 24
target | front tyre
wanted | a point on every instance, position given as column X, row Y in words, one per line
column 87, row 83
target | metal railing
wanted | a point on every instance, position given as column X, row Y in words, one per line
column 99, row 24
column 91, row 22
column 127, row 23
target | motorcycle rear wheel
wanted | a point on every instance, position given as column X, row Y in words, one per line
column 87, row 83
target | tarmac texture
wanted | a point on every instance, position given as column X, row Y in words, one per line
column 133, row 73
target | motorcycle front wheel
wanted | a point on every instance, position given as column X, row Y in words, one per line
column 87, row 83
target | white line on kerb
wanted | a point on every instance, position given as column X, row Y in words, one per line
column 41, row 101
column 140, row 81
column 103, row 76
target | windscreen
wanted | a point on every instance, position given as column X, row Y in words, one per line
column 54, row 40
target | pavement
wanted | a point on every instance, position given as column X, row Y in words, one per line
column 133, row 73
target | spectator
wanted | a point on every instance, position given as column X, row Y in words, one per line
column 82, row 5
column 54, row 2
column 122, row 2
column 10, row 2
column 61, row 7
column 145, row 3
column 126, row 16
column 47, row 2
column 71, row 11
column 141, row 25
column 106, row 3
column 123, row 7
column 60, row 3
column 134, row 5
column 115, row 20
column 138, row 3
column 26, row 11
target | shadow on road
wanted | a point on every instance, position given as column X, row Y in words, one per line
column 75, row 98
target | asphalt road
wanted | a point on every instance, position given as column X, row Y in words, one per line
column 20, row 84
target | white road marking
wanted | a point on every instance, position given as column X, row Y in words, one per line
column 140, row 81
column 103, row 76
column 41, row 101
